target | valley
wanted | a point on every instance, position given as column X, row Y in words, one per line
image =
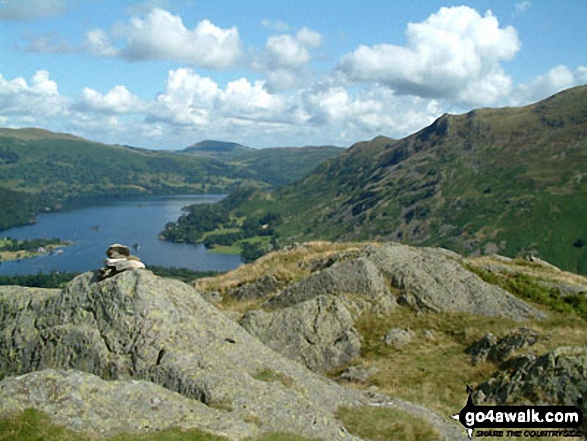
column 508, row 181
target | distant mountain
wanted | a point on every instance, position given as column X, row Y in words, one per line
column 277, row 165
column 215, row 148
column 41, row 169
column 510, row 180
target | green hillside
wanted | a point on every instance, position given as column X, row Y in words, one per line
column 216, row 149
column 277, row 166
column 41, row 169
column 510, row 180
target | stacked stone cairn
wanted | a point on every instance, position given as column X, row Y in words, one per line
column 119, row 260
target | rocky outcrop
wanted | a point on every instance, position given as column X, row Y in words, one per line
column 88, row 404
column 358, row 281
column 258, row 289
column 431, row 279
column 318, row 333
column 490, row 348
column 298, row 326
column 557, row 377
column 137, row 326
column 398, row 337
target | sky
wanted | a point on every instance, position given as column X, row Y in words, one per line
column 165, row 74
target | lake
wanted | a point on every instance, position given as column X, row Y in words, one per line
column 94, row 227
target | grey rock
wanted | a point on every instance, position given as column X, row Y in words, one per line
column 137, row 326
column 88, row 404
column 432, row 279
column 357, row 374
column 557, row 377
column 318, row 333
column 258, row 289
column 428, row 334
column 565, row 289
column 397, row 337
column 358, row 280
column 490, row 348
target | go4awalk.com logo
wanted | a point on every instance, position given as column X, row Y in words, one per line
column 518, row 421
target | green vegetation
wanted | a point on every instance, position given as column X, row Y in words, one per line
column 268, row 376
column 276, row 166
column 220, row 226
column 530, row 289
column 54, row 279
column 32, row 425
column 13, row 249
column 42, row 171
column 508, row 180
column 10, row 244
column 183, row 274
column 380, row 424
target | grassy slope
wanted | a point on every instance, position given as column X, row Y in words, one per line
column 510, row 180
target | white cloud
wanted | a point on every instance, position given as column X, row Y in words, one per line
column 309, row 38
column 369, row 112
column 543, row 86
column 24, row 10
column 187, row 100
column 162, row 35
column 284, row 60
column 37, row 100
column 277, row 25
column 243, row 100
column 118, row 100
column 286, row 51
column 450, row 54
column 98, row 43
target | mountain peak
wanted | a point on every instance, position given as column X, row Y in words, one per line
column 211, row 147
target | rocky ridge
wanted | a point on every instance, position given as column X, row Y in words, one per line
column 137, row 326
column 312, row 320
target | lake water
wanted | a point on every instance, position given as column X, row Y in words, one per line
column 93, row 228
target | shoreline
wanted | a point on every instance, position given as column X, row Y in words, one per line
column 50, row 249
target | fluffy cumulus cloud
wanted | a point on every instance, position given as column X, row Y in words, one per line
column 159, row 35
column 162, row 35
column 117, row 101
column 370, row 111
column 285, row 58
column 555, row 80
column 17, row 10
column 454, row 54
column 187, row 100
column 37, row 100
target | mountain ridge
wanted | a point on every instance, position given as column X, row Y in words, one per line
column 507, row 180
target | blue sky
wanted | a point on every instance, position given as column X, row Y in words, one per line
column 167, row 73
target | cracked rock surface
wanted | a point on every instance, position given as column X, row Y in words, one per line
column 141, row 327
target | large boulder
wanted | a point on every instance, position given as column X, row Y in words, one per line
column 557, row 377
column 358, row 281
column 490, row 348
column 318, row 333
column 136, row 325
column 432, row 279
